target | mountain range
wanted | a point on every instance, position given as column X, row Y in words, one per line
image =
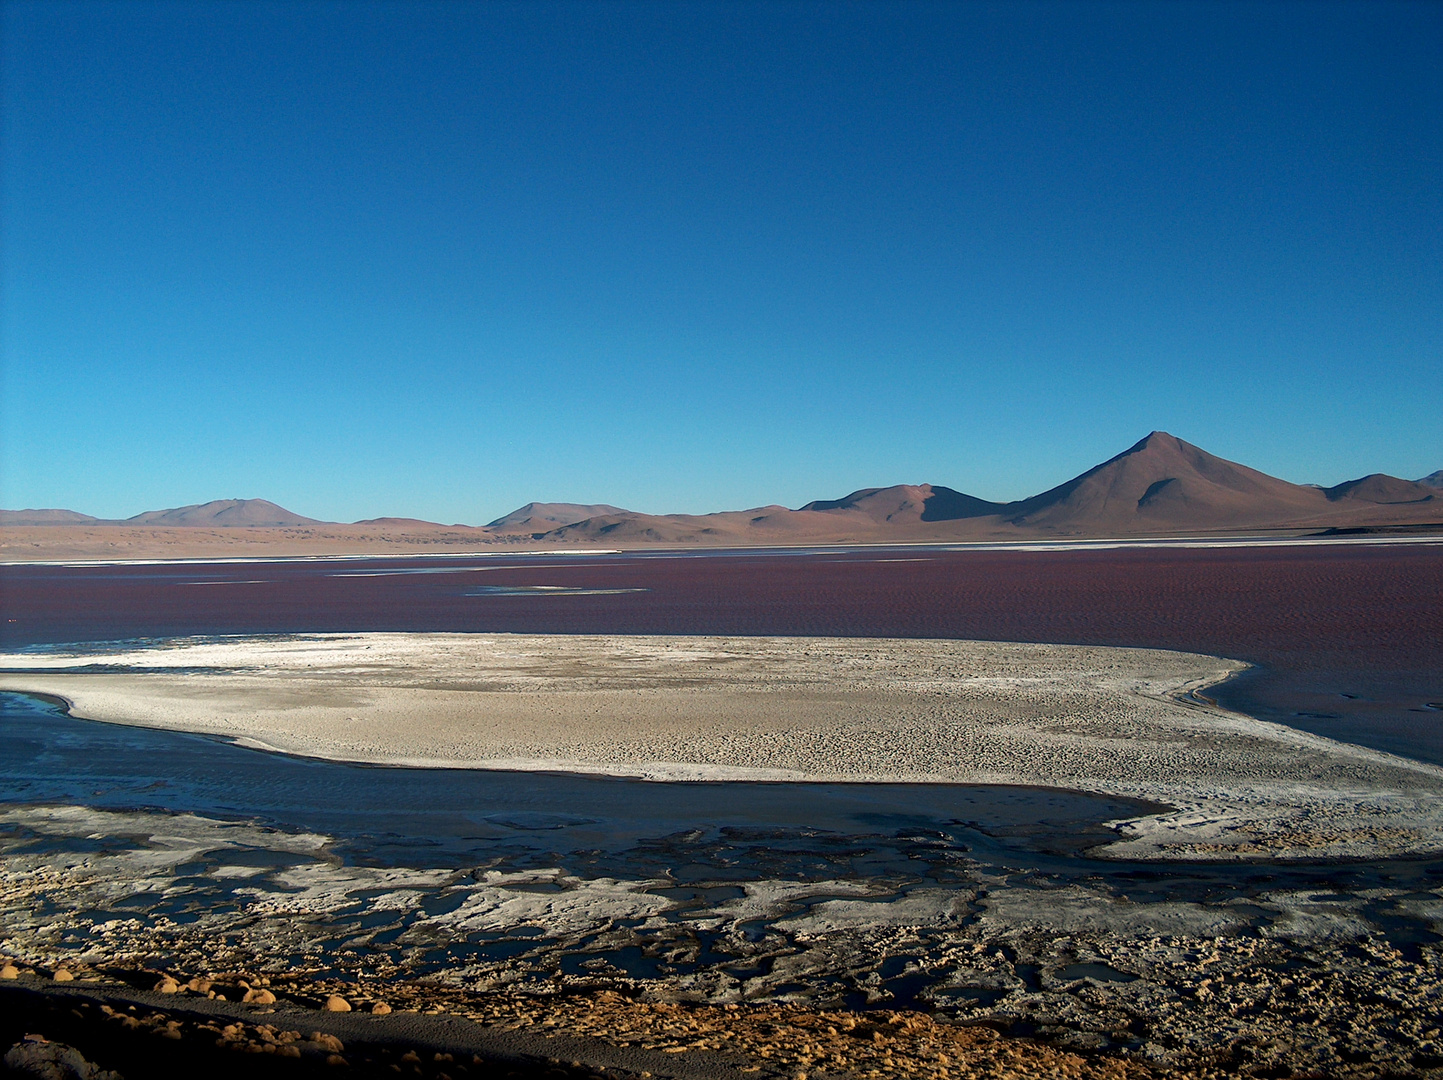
column 1160, row 486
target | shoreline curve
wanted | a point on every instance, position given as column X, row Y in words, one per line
column 1096, row 720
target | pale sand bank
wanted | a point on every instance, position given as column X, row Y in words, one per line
column 1115, row 721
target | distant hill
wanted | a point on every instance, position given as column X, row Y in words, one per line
column 405, row 523
column 1162, row 481
column 224, row 513
column 907, row 502
column 1160, row 486
column 45, row 517
column 542, row 517
column 1383, row 489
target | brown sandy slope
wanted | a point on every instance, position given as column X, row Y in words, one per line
column 1163, row 483
column 1383, row 489
column 223, row 512
column 404, row 523
column 537, row 517
column 1161, row 486
column 45, row 517
column 911, row 503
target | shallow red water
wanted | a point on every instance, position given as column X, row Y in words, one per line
column 1350, row 638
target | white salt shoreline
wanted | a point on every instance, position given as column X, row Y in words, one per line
column 1034, row 546
column 1109, row 721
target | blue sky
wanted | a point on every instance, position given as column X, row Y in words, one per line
column 439, row 260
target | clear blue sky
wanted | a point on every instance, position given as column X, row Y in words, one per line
column 439, row 260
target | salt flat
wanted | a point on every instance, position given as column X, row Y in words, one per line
column 1115, row 721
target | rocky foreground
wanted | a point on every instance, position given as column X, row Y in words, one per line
column 291, row 1024
column 1016, row 975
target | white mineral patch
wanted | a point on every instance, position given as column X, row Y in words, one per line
column 168, row 839
column 1307, row 915
column 1428, row 909
column 322, row 887
column 581, row 906
column 764, row 899
column 929, row 908
column 1114, row 721
column 1073, row 909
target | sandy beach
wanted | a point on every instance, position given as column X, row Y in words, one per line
column 1115, row 721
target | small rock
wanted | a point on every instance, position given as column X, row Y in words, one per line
column 63, row 975
column 9, row 971
column 259, row 996
column 336, row 1059
column 167, row 985
column 380, row 1008
column 327, row 1042
column 335, row 1003
column 198, row 985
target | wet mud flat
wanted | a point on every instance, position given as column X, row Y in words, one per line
column 896, row 939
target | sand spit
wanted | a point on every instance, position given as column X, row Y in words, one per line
column 1115, row 721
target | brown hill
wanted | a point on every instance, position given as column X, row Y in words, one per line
column 910, row 503
column 406, row 523
column 1164, row 483
column 247, row 513
column 1432, row 480
column 1383, row 489
column 45, row 517
column 542, row 517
